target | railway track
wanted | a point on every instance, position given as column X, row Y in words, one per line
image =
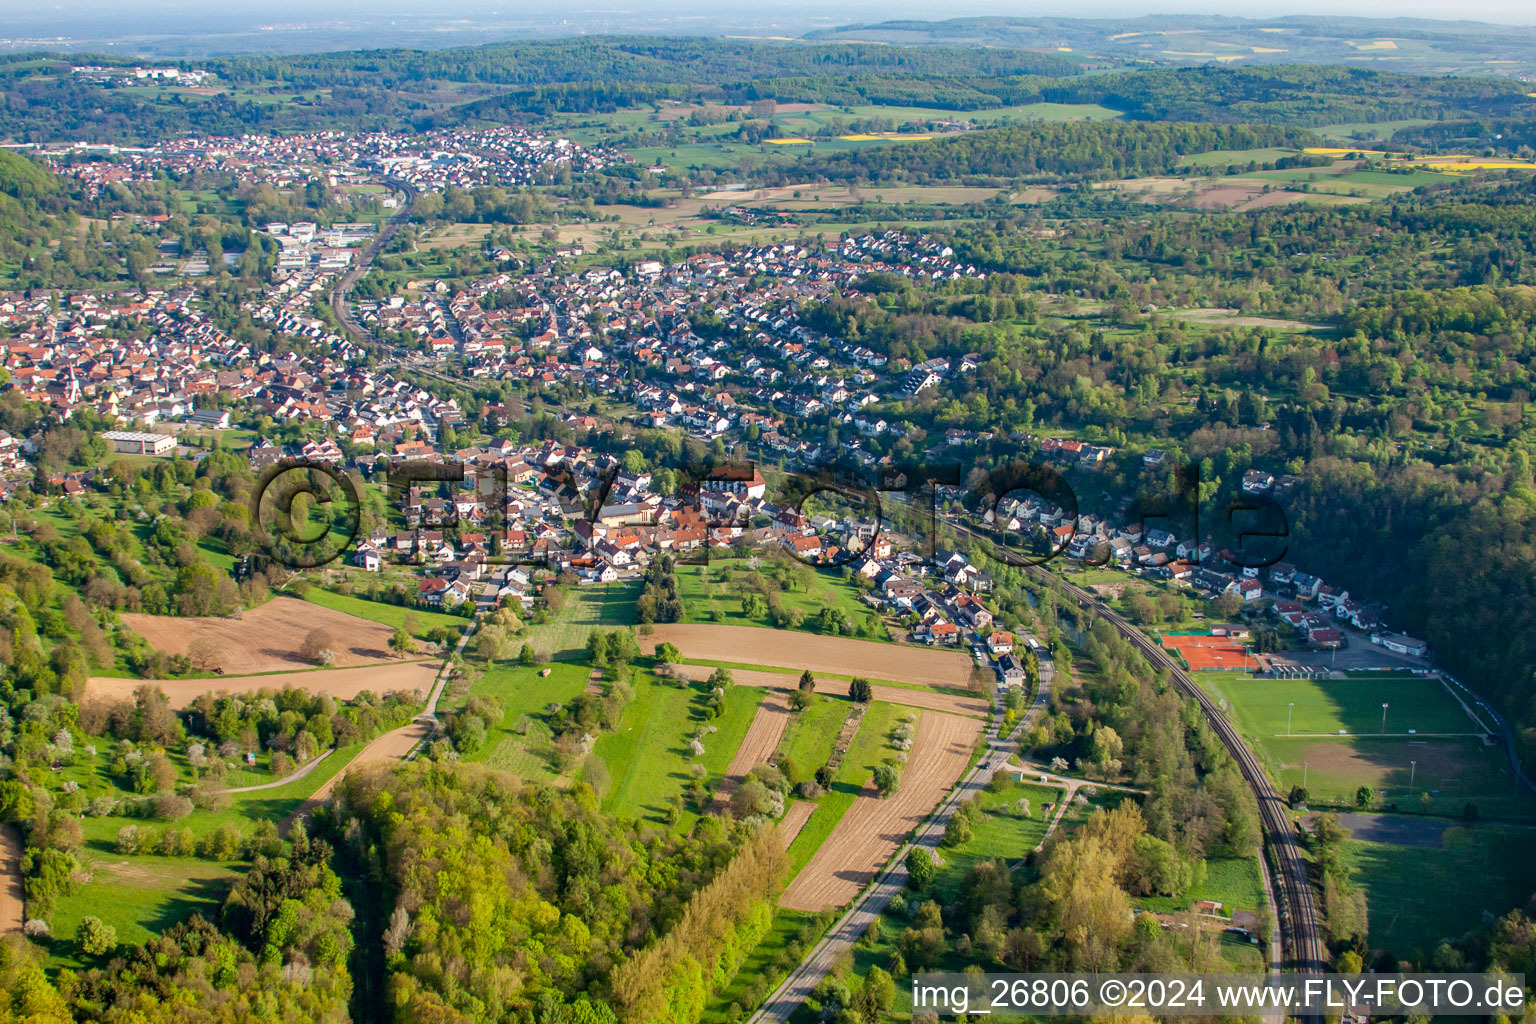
column 1300, row 923
column 347, row 281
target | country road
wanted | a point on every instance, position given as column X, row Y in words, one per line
column 872, row 902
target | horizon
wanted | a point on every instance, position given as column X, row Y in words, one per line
column 179, row 29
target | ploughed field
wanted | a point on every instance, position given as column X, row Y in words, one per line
column 269, row 638
column 831, row 654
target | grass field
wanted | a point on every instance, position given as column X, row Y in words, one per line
column 521, row 743
column 392, row 615
column 710, row 594
column 140, row 897
column 647, row 756
column 808, row 738
column 605, row 606
column 1419, row 895
column 1422, row 772
column 1236, row 883
column 1330, row 706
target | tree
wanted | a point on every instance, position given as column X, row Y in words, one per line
column 204, row 652
column 958, row 830
column 526, row 656
column 1297, row 796
column 95, row 937
column 668, row 654
column 859, row 691
column 318, row 647
column 1364, row 797
column 1227, row 604
column 401, row 643
column 886, row 779
column 920, row 870
column 807, row 682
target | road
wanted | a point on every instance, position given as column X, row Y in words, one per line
column 872, row 902
column 295, row 777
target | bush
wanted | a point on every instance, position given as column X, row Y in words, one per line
column 172, row 807
column 95, row 937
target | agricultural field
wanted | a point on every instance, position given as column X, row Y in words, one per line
column 564, row 636
column 910, row 695
column 268, row 638
column 834, row 655
column 647, row 758
column 521, row 742
column 875, row 827
column 341, row 683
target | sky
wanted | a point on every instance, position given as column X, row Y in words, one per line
column 1521, row 12
column 128, row 18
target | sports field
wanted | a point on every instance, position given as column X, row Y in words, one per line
column 1327, row 736
column 1211, row 653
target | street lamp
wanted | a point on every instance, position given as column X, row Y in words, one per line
column 1413, row 772
column 1384, row 718
column 1289, row 708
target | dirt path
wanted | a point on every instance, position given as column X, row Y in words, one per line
column 399, row 745
column 341, row 683
column 392, row 746
column 931, row 700
column 12, row 892
column 295, row 777
column 836, row 655
column 874, row 827
column 758, row 745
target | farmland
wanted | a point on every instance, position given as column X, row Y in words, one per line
column 833, row 655
column 564, row 635
column 270, row 637
column 341, row 683
column 874, row 827
column 646, row 757
column 908, row 695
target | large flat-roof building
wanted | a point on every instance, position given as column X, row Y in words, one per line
column 135, row 442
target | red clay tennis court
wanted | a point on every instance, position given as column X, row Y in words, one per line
column 1211, row 653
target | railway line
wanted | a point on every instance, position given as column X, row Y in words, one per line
column 1300, row 923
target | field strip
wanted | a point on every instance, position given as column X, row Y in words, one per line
column 11, row 889
column 930, row 700
column 875, row 828
column 797, row 650
column 794, row 820
column 758, row 745
column 963, row 691
column 341, row 683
